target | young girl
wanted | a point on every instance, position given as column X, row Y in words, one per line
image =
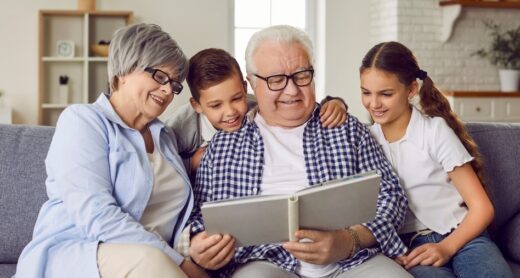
column 438, row 164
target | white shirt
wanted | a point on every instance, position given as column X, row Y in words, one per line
column 167, row 198
column 426, row 154
column 285, row 173
column 207, row 130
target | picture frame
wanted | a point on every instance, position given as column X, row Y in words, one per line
column 65, row 48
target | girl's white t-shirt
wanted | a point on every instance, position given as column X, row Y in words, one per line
column 425, row 155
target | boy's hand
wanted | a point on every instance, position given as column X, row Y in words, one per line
column 333, row 113
column 192, row 270
column 325, row 247
column 195, row 159
column 434, row 254
column 212, row 252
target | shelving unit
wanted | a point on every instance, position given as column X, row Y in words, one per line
column 87, row 73
column 485, row 106
column 451, row 10
column 483, row 4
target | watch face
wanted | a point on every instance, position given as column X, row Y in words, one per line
column 65, row 48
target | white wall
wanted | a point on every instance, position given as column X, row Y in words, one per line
column 346, row 41
column 186, row 21
column 346, row 25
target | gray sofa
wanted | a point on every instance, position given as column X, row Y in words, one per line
column 22, row 186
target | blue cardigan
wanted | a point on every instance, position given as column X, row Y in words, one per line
column 98, row 182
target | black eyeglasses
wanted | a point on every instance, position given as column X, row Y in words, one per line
column 278, row 82
column 162, row 78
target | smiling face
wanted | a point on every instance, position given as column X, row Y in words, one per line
column 385, row 97
column 139, row 98
column 293, row 105
column 224, row 104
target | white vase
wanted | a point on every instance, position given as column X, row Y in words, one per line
column 63, row 94
column 509, row 80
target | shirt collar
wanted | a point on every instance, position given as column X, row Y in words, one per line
column 250, row 116
column 414, row 131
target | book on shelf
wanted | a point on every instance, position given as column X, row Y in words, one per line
column 264, row 219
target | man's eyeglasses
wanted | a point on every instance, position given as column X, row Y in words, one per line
column 162, row 78
column 278, row 82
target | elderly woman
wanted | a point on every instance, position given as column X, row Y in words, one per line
column 118, row 192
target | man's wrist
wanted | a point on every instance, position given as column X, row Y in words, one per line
column 355, row 242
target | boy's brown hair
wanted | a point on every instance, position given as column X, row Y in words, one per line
column 210, row 67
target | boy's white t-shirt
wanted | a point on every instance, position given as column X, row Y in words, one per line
column 425, row 155
column 285, row 173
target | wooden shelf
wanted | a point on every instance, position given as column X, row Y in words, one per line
column 482, row 4
column 481, row 94
column 62, row 59
column 451, row 10
column 87, row 73
column 54, row 106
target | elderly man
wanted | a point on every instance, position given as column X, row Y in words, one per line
column 282, row 148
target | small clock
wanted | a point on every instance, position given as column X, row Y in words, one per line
column 65, row 48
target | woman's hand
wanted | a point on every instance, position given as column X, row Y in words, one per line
column 434, row 254
column 212, row 252
column 333, row 113
column 192, row 270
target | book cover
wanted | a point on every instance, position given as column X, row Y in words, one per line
column 255, row 220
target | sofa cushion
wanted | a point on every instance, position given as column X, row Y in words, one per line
column 22, row 185
column 509, row 238
column 7, row 270
column 498, row 143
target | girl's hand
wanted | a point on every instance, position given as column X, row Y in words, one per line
column 333, row 113
column 434, row 254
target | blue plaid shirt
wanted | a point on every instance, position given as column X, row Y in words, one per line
column 233, row 163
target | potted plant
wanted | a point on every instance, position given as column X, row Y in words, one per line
column 504, row 52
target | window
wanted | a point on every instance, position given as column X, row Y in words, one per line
column 251, row 16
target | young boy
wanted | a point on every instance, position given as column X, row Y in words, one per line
column 219, row 102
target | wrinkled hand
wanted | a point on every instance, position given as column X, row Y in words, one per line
column 326, row 246
column 434, row 254
column 192, row 270
column 195, row 159
column 333, row 113
column 400, row 260
column 212, row 252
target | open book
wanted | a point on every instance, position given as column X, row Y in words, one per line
column 258, row 220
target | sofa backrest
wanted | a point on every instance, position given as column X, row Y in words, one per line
column 499, row 143
column 22, row 184
column 22, row 178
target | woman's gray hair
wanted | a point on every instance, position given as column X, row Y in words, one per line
column 280, row 34
column 144, row 45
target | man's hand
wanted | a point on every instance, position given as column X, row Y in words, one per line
column 434, row 254
column 324, row 248
column 192, row 270
column 212, row 252
column 333, row 113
